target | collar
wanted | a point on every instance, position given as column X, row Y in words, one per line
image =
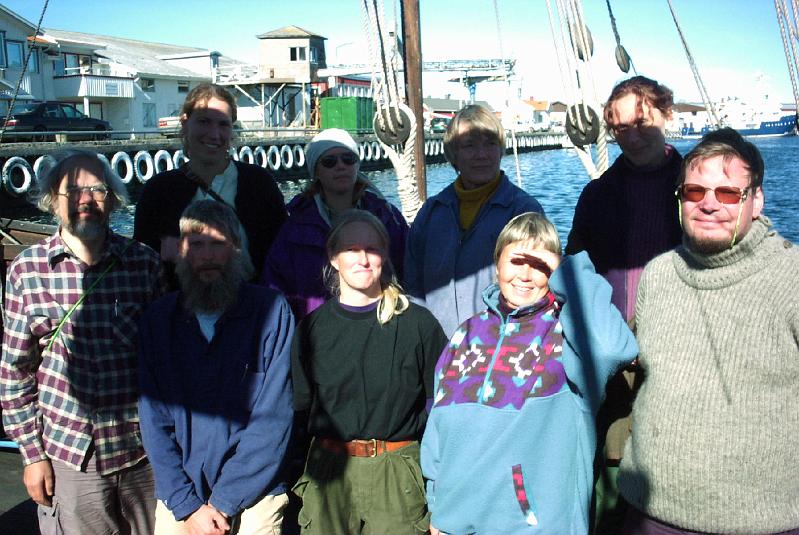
column 57, row 249
column 670, row 155
column 493, row 299
column 478, row 193
column 720, row 270
column 503, row 195
column 742, row 249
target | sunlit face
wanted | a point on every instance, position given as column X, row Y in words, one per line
column 339, row 179
column 708, row 224
column 207, row 132
column 522, row 276
column 83, row 213
column 207, row 253
column 477, row 157
column 359, row 260
column 640, row 132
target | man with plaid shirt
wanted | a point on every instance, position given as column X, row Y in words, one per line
column 68, row 374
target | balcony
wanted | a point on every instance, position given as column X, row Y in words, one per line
column 92, row 85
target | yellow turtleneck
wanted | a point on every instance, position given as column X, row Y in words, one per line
column 471, row 200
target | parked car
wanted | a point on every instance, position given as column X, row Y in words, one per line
column 169, row 126
column 438, row 125
column 52, row 116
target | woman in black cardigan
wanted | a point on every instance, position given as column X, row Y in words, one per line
column 207, row 119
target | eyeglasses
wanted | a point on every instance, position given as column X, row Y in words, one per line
column 98, row 193
column 638, row 126
column 724, row 194
column 330, row 160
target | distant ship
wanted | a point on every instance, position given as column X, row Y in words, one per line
column 761, row 119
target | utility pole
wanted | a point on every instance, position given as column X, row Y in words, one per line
column 412, row 59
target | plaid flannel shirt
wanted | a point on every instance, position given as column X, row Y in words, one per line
column 83, row 391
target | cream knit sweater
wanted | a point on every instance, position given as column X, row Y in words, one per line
column 715, row 441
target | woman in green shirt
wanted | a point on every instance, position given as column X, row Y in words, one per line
column 363, row 371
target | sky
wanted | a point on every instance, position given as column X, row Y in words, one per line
column 735, row 43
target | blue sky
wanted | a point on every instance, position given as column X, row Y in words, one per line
column 733, row 41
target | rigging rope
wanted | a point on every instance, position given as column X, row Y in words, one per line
column 619, row 48
column 711, row 110
column 514, row 140
column 392, row 117
column 24, row 70
column 791, row 56
column 574, row 37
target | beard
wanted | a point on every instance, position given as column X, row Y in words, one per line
column 707, row 246
column 86, row 229
column 217, row 295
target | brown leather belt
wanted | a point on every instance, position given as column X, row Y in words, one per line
column 362, row 448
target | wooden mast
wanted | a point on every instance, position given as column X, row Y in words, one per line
column 412, row 59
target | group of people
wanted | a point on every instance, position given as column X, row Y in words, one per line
column 458, row 375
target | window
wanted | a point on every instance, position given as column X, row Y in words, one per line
column 59, row 68
column 72, row 63
column 53, row 111
column 149, row 119
column 95, row 107
column 183, row 87
column 297, row 53
column 147, row 85
column 16, row 54
column 2, row 49
column 70, row 111
column 314, row 55
column 33, row 62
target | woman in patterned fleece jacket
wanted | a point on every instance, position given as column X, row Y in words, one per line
column 509, row 443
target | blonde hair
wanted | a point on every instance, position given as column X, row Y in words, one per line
column 472, row 118
column 392, row 301
column 528, row 226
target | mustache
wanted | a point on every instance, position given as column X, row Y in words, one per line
column 85, row 208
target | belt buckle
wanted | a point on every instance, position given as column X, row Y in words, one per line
column 374, row 447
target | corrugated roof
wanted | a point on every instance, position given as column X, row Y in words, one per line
column 288, row 32
column 139, row 55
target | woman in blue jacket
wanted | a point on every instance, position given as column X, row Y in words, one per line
column 509, row 444
column 448, row 259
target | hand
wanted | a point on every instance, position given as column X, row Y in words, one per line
column 543, row 260
column 40, row 482
column 434, row 531
column 206, row 520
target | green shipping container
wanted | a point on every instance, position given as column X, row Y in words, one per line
column 353, row 114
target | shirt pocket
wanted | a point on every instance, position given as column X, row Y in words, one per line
column 125, row 325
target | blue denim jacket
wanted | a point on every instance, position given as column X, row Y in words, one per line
column 447, row 269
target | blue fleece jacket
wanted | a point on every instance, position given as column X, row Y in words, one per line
column 216, row 417
column 513, row 453
column 447, row 269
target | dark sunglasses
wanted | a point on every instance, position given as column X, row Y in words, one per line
column 724, row 194
column 330, row 160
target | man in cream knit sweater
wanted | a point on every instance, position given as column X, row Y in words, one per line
column 716, row 422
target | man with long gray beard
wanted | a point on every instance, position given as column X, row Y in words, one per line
column 215, row 401
column 68, row 373
column 713, row 447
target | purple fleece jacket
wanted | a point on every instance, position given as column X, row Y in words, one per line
column 295, row 261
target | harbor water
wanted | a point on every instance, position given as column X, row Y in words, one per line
column 556, row 178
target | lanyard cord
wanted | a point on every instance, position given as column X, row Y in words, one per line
column 85, row 295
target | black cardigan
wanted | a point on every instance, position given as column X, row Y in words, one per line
column 259, row 205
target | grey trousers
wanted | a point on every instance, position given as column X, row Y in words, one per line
column 86, row 503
